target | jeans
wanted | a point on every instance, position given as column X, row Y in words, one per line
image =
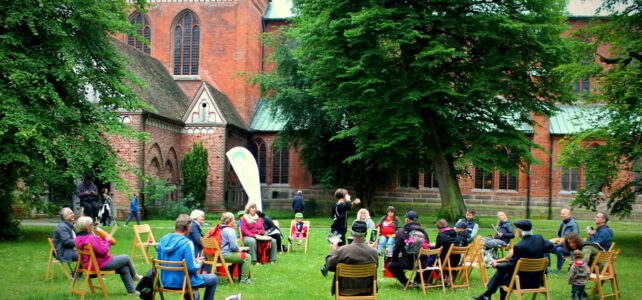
column 388, row 242
column 559, row 251
column 123, row 266
column 133, row 214
column 577, row 292
column 210, row 282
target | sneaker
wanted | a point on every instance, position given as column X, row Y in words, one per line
column 324, row 271
column 246, row 281
column 234, row 297
column 138, row 277
column 135, row 293
column 481, row 297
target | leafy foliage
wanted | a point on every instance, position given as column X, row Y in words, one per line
column 194, row 169
column 617, row 125
column 60, row 83
column 407, row 84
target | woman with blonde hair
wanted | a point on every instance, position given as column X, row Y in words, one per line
column 252, row 228
column 122, row 264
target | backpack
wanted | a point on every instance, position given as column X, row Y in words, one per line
column 146, row 285
column 414, row 243
column 216, row 234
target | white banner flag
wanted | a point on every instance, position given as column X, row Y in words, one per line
column 247, row 171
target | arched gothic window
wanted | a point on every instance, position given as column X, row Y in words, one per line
column 142, row 26
column 258, row 149
column 280, row 164
column 186, row 44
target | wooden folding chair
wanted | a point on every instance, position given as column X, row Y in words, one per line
column 612, row 247
column 144, row 245
column 530, row 265
column 510, row 245
column 475, row 260
column 87, row 272
column 604, row 274
column 53, row 260
column 356, row 271
column 460, row 269
column 306, row 239
column 158, row 266
column 435, row 267
column 216, row 260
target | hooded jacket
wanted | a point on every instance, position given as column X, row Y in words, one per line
column 175, row 247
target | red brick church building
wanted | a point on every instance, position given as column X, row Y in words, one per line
column 196, row 69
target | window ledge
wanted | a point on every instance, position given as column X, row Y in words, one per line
column 431, row 189
column 508, row 191
column 483, row 191
column 186, row 77
column 568, row 192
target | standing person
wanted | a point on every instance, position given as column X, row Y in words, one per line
column 471, row 226
column 401, row 259
column 357, row 253
column 567, row 226
column 105, row 212
column 176, row 247
column 195, row 234
column 531, row 246
column 231, row 250
column 578, row 275
column 340, row 214
column 603, row 235
column 122, row 264
column 133, row 210
column 65, row 238
column 88, row 194
column 388, row 226
column 298, row 204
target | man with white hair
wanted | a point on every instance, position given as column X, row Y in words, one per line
column 65, row 238
column 298, row 204
column 603, row 235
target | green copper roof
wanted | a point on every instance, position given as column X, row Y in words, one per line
column 264, row 119
column 572, row 119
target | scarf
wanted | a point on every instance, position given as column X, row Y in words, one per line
column 250, row 220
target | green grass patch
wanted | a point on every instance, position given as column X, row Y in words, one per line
column 295, row 275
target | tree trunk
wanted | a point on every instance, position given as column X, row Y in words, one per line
column 452, row 202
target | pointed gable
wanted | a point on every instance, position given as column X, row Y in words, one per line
column 211, row 107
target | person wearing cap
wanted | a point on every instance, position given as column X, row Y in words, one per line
column 401, row 260
column 603, row 235
column 531, row 246
column 447, row 236
column 462, row 231
column 298, row 230
column 356, row 253
column 340, row 214
column 298, row 204
column 567, row 226
column 471, row 226
column 388, row 226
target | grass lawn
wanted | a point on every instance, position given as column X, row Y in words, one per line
column 294, row 276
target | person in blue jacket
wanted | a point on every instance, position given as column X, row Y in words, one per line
column 603, row 235
column 133, row 210
column 176, row 247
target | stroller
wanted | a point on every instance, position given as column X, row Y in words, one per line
column 105, row 214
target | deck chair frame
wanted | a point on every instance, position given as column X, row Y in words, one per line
column 143, row 245
column 87, row 272
column 436, row 267
column 307, row 238
column 527, row 265
column 53, row 260
column 216, row 260
column 166, row 265
column 356, row 271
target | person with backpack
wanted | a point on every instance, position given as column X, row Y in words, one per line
column 410, row 239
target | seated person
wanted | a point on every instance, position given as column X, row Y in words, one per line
column 603, row 235
column 356, row 253
column 504, row 233
column 387, row 226
column 364, row 216
column 121, row 263
column 298, row 231
column 567, row 226
column 462, row 231
column 176, row 247
column 573, row 241
column 251, row 227
column 404, row 254
column 65, row 238
column 230, row 249
column 471, row 226
column 195, row 234
column 271, row 230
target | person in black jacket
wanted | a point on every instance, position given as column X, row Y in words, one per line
column 446, row 237
column 531, row 246
column 340, row 213
column 401, row 260
column 271, row 230
column 298, row 204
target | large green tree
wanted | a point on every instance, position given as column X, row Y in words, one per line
column 61, row 81
column 413, row 85
column 611, row 147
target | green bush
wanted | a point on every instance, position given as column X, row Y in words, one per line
column 171, row 209
column 194, row 169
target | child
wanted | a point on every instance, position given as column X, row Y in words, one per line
column 298, row 231
column 578, row 275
